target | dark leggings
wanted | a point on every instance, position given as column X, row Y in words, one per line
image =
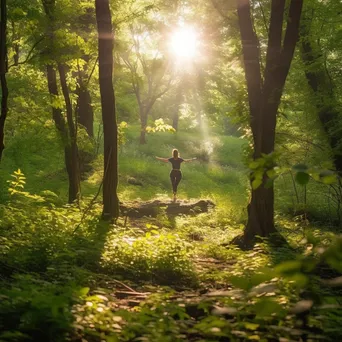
column 175, row 176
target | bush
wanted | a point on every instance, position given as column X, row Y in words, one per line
column 35, row 310
column 161, row 258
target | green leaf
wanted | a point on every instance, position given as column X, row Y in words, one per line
column 256, row 183
column 328, row 177
column 302, row 178
column 271, row 173
column 254, row 164
column 241, row 282
column 259, row 278
column 251, row 326
column 300, row 167
column 288, row 267
column 300, row 280
column 83, row 291
column 267, row 307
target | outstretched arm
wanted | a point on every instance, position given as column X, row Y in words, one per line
column 165, row 160
column 189, row 160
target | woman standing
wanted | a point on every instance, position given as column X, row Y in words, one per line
column 176, row 173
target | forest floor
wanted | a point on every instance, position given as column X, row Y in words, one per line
column 65, row 275
column 152, row 279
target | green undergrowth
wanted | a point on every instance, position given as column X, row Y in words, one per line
column 61, row 270
column 161, row 258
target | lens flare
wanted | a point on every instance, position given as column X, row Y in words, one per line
column 184, row 43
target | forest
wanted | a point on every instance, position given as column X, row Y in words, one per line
column 170, row 170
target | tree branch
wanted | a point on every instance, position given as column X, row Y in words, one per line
column 251, row 57
column 29, row 53
column 274, row 35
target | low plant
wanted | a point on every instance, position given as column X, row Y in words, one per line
column 159, row 257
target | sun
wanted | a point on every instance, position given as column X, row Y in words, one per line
column 184, row 43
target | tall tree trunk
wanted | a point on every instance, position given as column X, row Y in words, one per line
column 322, row 89
column 85, row 115
column 65, row 128
column 74, row 169
column 3, row 71
column 84, row 109
column 62, row 128
column 143, row 125
column 15, row 45
column 264, row 99
column 110, row 129
column 178, row 101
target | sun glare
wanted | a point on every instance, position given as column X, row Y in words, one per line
column 184, row 43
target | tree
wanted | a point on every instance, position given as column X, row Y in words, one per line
column 73, row 164
column 264, row 95
column 66, row 128
column 149, row 75
column 110, row 129
column 177, row 103
column 3, row 71
column 84, row 109
column 321, row 85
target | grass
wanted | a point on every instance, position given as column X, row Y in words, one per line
column 219, row 173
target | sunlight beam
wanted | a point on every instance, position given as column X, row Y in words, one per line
column 184, row 43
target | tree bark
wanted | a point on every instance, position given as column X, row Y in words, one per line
column 143, row 125
column 85, row 118
column 85, row 115
column 110, row 129
column 322, row 89
column 3, row 71
column 74, row 169
column 178, row 102
column 84, row 109
column 264, row 99
column 62, row 128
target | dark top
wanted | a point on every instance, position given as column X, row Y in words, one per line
column 176, row 163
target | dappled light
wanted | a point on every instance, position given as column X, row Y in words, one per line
column 170, row 171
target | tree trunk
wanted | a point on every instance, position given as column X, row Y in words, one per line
column 58, row 118
column 264, row 99
column 3, row 71
column 178, row 101
column 15, row 45
column 84, row 109
column 322, row 89
column 143, row 125
column 110, row 129
column 56, row 112
column 74, row 170
column 85, row 118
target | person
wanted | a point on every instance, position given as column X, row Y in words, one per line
column 176, row 173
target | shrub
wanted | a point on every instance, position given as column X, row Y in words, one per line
column 162, row 258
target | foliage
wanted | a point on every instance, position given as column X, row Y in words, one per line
column 32, row 309
column 157, row 257
column 63, row 271
column 160, row 126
